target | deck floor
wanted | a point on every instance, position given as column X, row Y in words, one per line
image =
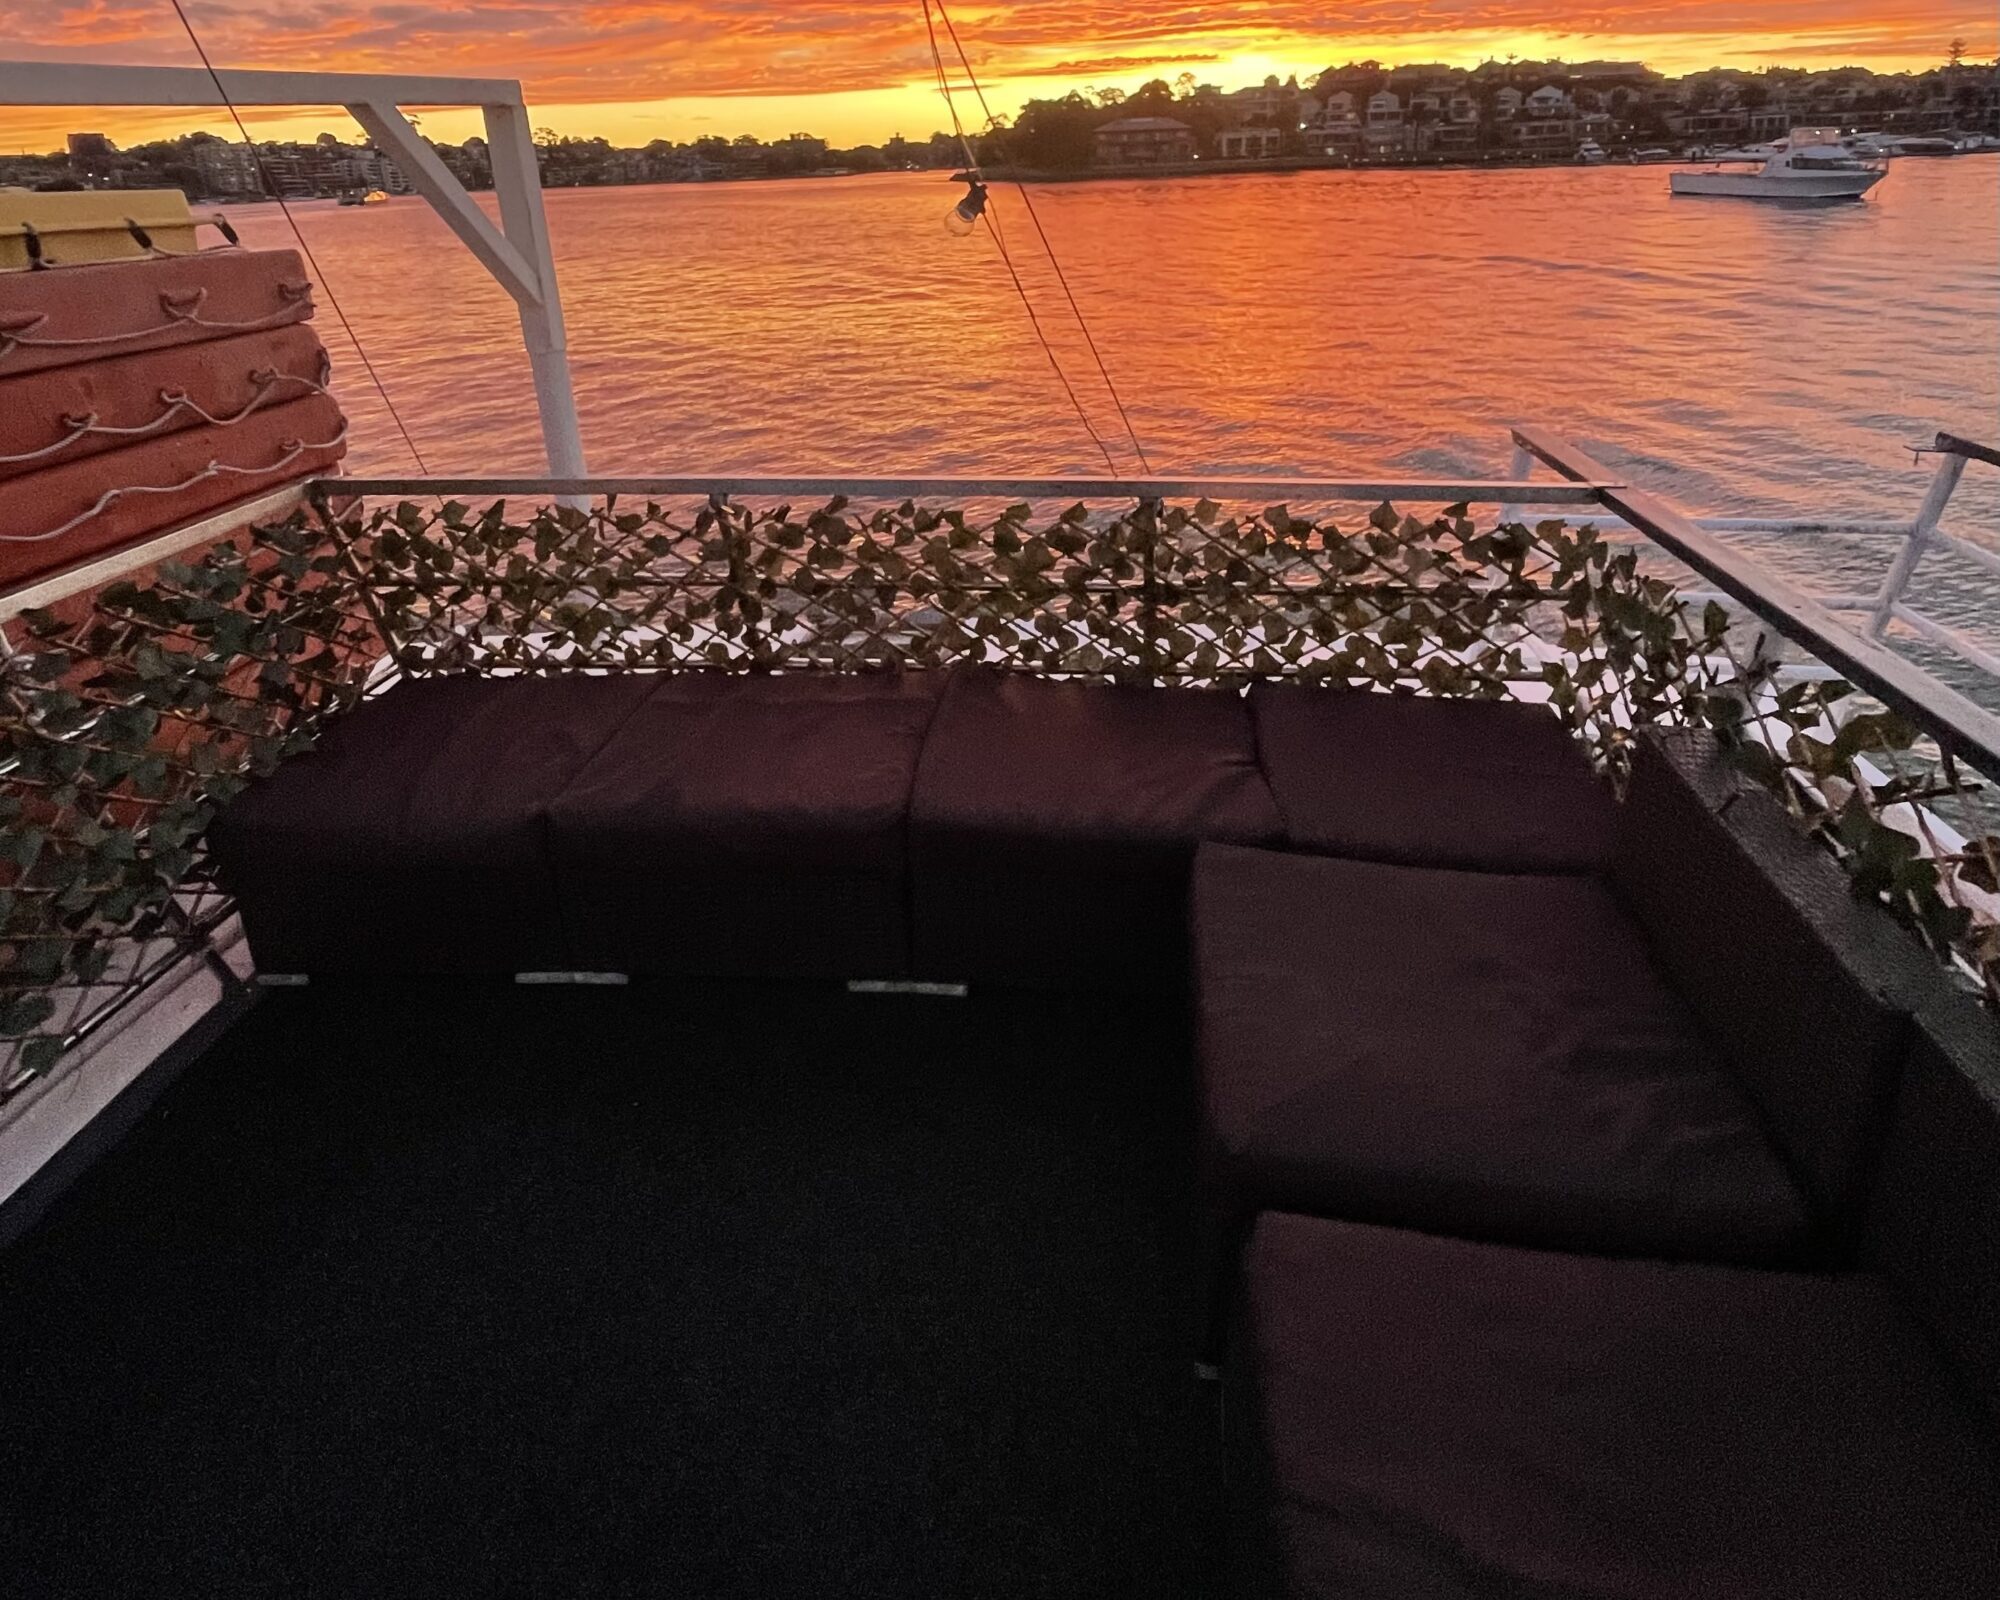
column 703, row 1290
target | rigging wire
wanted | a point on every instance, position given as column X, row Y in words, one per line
column 1007, row 259
column 992, row 124
column 305, row 249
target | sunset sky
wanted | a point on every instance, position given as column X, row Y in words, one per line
column 858, row 70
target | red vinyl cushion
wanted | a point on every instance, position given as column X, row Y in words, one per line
column 289, row 441
column 112, row 308
column 220, row 378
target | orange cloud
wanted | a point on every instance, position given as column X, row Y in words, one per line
column 860, row 68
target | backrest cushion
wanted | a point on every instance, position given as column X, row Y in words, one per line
column 1934, row 1220
column 1479, row 785
column 1808, row 990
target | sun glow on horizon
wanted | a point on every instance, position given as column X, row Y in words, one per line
column 858, row 71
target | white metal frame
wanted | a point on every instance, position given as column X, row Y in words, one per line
column 1740, row 581
column 516, row 252
column 1885, row 606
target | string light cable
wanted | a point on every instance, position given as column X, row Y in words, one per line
column 305, row 249
column 976, row 202
column 995, row 128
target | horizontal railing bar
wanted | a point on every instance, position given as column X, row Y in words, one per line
column 1950, row 638
column 92, row 574
column 1977, row 553
column 62, row 83
column 857, row 487
column 1967, row 728
column 1952, row 445
column 1805, row 525
column 1814, row 525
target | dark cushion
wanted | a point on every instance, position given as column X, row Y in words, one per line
column 1488, row 785
column 1934, row 1220
column 1473, row 1053
column 1430, row 1417
column 411, row 838
column 747, row 826
column 1053, row 825
column 1809, row 989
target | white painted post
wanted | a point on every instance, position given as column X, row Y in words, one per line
column 517, row 180
column 1950, row 467
column 393, row 133
column 517, row 253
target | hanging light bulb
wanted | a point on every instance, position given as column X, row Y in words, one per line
column 962, row 218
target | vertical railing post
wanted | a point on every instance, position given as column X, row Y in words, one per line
column 517, row 181
column 1950, row 468
column 1149, row 521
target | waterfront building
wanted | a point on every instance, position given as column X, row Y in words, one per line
column 91, row 156
column 1333, row 135
column 228, row 170
column 1270, row 103
column 1143, row 142
column 1249, row 144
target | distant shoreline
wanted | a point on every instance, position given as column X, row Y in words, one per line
column 1287, row 164
column 1291, row 164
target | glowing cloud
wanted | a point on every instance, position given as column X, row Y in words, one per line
column 859, row 69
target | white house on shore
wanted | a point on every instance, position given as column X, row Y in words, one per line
column 1249, row 144
column 1143, row 142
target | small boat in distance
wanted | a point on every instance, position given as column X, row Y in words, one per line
column 1591, row 153
column 362, row 197
column 1810, row 167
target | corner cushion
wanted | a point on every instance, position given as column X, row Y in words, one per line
column 1486, row 785
column 1472, row 1053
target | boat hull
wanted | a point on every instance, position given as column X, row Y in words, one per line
column 1806, row 188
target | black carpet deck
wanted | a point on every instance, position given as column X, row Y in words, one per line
column 667, row 1291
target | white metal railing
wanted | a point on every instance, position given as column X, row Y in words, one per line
column 857, row 486
column 1587, row 492
column 516, row 252
column 1886, row 606
column 1967, row 729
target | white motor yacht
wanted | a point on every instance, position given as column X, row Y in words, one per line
column 1811, row 166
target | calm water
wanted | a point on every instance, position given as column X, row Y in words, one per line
column 1747, row 359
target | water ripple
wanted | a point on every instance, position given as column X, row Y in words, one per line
column 1749, row 360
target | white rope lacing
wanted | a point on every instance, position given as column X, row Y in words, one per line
column 293, row 449
column 175, row 403
column 183, row 310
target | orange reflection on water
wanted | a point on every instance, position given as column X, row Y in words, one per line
column 1743, row 356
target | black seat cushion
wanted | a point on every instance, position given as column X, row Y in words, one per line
column 411, row 838
column 1470, row 1053
column 1809, row 988
column 1053, row 825
column 747, row 826
column 1427, row 1417
column 1488, row 785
